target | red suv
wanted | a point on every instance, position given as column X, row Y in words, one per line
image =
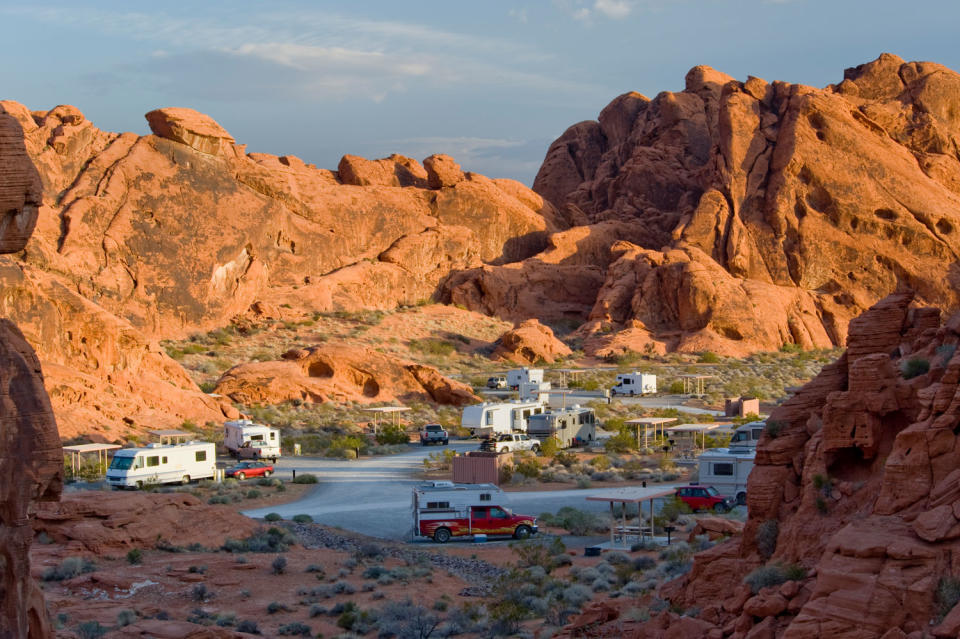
column 704, row 498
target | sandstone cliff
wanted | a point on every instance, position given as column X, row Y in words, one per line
column 737, row 216
column 144, row 238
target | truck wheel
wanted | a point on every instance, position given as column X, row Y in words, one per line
column 441, row 535
column 522, row 532
column 741, row 499
column 504, row 449
column 719, row 507
column 535, row 449
column 267, row 473
column 139, row 485
column 185, row 480
column 240, row 476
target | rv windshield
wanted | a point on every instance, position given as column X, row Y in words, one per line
column 121, row 463
column 742, row 436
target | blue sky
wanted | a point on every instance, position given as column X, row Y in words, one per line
column 491, row 83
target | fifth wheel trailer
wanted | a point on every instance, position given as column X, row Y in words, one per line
column 491, row 418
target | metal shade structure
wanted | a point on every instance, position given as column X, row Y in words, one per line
column 692, row 430
column 81, row 449
column 386, row 411
column 694, row 384
column 647, row 422
column 631, row 495
column 171, row 436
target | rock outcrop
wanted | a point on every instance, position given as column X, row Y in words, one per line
column 31, row 458
column 856, row 484
column 759, row 214
column 340, row 373
column 528, row 343
column 146, row 238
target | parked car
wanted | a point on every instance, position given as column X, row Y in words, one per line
column 511, row 442
column 497, row 381
column 433, row 434
column 704, row 498
column 249, row 469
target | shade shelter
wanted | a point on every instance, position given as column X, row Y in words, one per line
column 648, row 423
column 81, row 449
column 382, row 413
column 690, row 432
column 694, row 384
column 574, row 374
column 171, row 436
column 631, row 495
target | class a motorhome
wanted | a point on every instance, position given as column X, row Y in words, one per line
column 491, row 418
column 518, row 376
column 245, row 439
column 727, row 470
column 747, row 435
column 162, row 464
column 635, row 384
column 571, row 427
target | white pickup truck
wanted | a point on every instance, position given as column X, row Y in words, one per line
column 510, row 442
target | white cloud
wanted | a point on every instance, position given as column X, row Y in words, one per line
column 615, row 9
column 519, row 14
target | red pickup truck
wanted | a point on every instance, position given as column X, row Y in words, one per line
column 443, row 510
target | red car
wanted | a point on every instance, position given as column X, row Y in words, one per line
column 704, row 498
column 249, row 469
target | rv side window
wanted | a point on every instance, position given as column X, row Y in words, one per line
column 484, row 496
column 723, row 468
column 489, row 419
column 153, row 460
column 438, row 504
column 201, row 455
column 526, row 414
column 163, row 460
column 273, row 435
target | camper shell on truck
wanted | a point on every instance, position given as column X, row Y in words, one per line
column 443, row 509
column 727, row 470
column 490, row 418
column 571, row 427
column 246, row 440
column 518, row 376
column 162, row 464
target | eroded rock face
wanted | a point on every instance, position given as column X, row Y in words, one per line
column 528, row 343
column 860, row 486
column 31, row 458
column 340, row 373
column 760, row 213
column 145, row 238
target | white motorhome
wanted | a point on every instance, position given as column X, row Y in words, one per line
column 747, row 435
column 518, row 376
column 491, row 418
column 727, row 470
column 162, row 464
column 570, row 427
column 245, row 439
column 635, row 384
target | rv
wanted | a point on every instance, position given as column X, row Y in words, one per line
column 530, row 391
column 492, row 418
column 245, row 439
column 162, row 464
column 727, row 469
column 518, row 376
column 571, row 427
column 443, row 509
column 635, row 384
column 747, row 436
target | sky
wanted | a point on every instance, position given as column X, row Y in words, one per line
column 491, row 83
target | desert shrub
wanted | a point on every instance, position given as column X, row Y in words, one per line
column 617, row 558
column 279, row 565
column 392, row 435
column 576, row 595
column 600, row 462
column 675, row 387
column 90, row 630
column 576, row 522
column 644, row 563
column 201, row 593
column 200, row 570
column 505, row 473
column 271, row 540
column 821, row 505
column 623, row 442
column 249, row 627
column 314, row 568
column 303, row 519
column 69, row 568
column 583, row 482
column 773, row 428
column 134, row 556
column 773, row 575
column 316, row 611
column 914, row 367
column 538, row 552
column 947, row 595
column 275, row 607
column 374, row 572
column 343, row 588
column 431, row 346
column 272, row 517
column 646, row 544
column 405, row 620
column 253, row 493
column 528, row 467
column 672, row 508
column 549, row 447
column 295, row 628
column 305, row 478
column 709, row 357
column 766, row 537
column 126, row 617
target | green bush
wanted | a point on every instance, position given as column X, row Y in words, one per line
column 134, row 556
column 295, row 628
column 709, row 357
column 272, row 517
column 392, row 435
column 303, row 519
column 528, row 467
column 305, row 478
column 773, row 575
column 91, row 630
column 622, row 442
column 947, row 595
column 431, row 346
column 279, row 565
column 766, row 537
column 773, row 428
column 272, row 540
column 69, row 568
column 600, row 462
column 914, row 367
column 672, row 508
column 549, row 447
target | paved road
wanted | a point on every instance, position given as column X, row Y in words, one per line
column 373, row 496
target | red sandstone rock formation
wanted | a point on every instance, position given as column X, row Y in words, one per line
column 145, row 238
column 31, row 459
column 340, row 373
column 759, row 213
column 528, row 343
column 860, row 486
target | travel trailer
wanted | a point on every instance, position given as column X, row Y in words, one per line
column 489, row 418
column 162, row 464
column 571, row 427
column 727, row 469
column 245, row 439
column 747, row 436
column 518, row 376
column 443, row 509
column 635, row 384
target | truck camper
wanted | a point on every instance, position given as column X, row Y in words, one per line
column 245, row 439
column 443, row 509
